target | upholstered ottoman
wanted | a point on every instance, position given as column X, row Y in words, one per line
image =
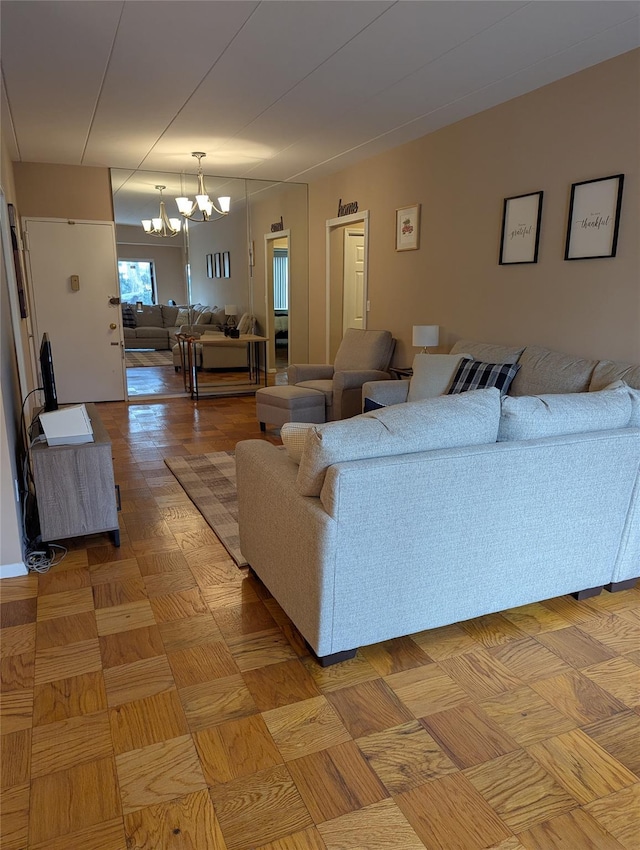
column 278, row 405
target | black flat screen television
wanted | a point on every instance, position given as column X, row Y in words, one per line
column 48, row 377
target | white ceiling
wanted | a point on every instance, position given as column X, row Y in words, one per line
column 276, row 90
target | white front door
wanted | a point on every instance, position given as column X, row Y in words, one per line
column 74, row 281
column 353, row 312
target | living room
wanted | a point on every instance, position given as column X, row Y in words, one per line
column 577, row 128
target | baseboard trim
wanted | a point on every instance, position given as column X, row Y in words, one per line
column 13, row 570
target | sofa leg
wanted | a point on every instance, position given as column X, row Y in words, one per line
column 336, row 658
column 615, row 586
column 587, row 593
column 263, row 426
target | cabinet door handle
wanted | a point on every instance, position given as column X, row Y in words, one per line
column 118, row 497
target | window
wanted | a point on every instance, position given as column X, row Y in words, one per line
column 137, row 281
column 280, row 279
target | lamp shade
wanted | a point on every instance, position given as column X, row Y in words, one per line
column 425, row 335
column 230, row 310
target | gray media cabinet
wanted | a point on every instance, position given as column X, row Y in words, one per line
column 75, row 487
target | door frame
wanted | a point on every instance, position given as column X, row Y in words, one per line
column 29, row 286
column 331, row 225
column 268, row 288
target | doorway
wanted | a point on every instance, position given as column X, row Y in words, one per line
column 277, row 300
column 74, row 286
column 346, row 277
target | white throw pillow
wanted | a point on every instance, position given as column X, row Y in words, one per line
column 448, row 421
column 555, row 414
column 293, row 436
column 432, row 374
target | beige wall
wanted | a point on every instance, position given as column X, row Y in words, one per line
column 63, row 191
column 582, row 127
column 223, row 234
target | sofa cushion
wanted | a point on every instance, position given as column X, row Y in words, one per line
column 533, row 417
column 544, row 371
column 152, row 333
column 293, row 436
column 607, row 371
column 475, row 375
column 169, row 316
column 149, row 317
column 432, row 374
column 364, row 350
column 435, row 423
column 322, row 386
column 183, row 317
column 218, row 318
column 487, row 352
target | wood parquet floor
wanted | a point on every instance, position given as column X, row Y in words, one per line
column 155, row 696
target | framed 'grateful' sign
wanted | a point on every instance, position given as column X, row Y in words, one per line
column 521, row 217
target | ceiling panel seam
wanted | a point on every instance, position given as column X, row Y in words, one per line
column 102, row 81
column 218, row 58
column 376, row 93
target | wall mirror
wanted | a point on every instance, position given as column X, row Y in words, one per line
column 184, row 268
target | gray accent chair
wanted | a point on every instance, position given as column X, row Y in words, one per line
column 363, row 356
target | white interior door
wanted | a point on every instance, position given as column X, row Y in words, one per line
column 353, row 309
column 84, row 327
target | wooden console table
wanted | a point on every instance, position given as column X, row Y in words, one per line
column 256, row 361
column 75, row 488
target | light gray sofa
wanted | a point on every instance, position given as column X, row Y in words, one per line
column 415, row 516
column 541, row 371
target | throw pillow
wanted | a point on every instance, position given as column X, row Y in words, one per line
column 293, row 436
column 474, row 375
column 370, row 404
column 555, row 414
column 432, row 374
column 183, row 316
column 435, row 423
column 244, row 325
column 128, row 316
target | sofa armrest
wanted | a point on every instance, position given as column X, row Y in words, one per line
column 298, row 372
column 349, row 379
column 386, row 392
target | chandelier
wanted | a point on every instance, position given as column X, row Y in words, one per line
column 203, row 203
column 162, row 225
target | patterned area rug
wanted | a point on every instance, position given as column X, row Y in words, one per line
column 210, row 482
column 148, row 358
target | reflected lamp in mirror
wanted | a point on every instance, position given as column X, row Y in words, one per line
column 202, row 208
column 425, row 336
column 231, row 311
column 162, row 226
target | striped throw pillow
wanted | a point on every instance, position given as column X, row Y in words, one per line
column 475, row 375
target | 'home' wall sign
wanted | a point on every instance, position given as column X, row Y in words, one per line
column 347, row 209
column 277, row 225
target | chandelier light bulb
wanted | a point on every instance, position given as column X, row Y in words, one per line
column 162, row 225
column 203, row 207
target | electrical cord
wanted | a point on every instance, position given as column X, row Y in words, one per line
column 36, row 559
column 41, row 561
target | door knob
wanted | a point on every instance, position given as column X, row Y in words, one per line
column 113, row 326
